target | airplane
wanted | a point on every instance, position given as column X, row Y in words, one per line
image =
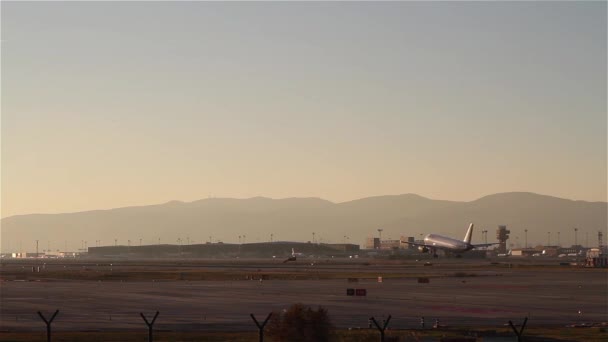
column 433, row 242
column 293, row 256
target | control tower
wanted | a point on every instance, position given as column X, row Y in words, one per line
column 502, row 235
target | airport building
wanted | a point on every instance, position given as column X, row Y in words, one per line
column 277, row 249
column 390, row 244
column 502, row 235
column 372, row 243
column 375, row 243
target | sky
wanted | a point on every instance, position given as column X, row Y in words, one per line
column 107, row 105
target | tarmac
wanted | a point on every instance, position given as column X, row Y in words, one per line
column 458, row 293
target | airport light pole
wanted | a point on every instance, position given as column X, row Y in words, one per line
column 558, row 243
column 313, row 237
column 485, row 235
column 271, row 237
column 115, row 242
column 575, row 232
column 526, row 238
column 36, row 248
column 548, row 238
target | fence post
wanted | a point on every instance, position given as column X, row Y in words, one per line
column 381, row 329
column 48, row 324
column 519, row 333
column 261, row 326
column 149, row 324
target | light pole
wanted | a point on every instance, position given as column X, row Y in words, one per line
column 526, row 238
column 115, row 242
column 313, row 237
column 575, row 239
column 271, row 237
column 558, row 243
column 485, row 235
column 548, row 238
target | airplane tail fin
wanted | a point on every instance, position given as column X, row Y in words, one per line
column 293, row 252
column 469, row 235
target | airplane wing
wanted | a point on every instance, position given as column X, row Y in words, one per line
column 291, row 258
column 416, row 244
column 485, row 245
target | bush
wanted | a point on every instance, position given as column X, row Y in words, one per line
column 300, row 324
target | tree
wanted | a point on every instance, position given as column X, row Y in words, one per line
column 300, row 323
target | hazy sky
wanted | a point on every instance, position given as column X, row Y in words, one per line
column 113, row 104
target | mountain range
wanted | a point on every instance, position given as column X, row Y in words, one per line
column 304, row 219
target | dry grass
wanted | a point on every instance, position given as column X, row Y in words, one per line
column 555, row 334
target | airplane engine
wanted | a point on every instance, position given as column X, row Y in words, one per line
column 423, row 249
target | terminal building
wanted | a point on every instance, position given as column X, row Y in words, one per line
column 277, row 249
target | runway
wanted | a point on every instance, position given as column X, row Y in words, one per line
column 459, row 293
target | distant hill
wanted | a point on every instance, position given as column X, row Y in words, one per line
column 254, row 219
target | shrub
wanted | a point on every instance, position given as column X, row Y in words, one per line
column 300, row 324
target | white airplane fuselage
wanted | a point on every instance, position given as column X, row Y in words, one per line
column 444, row 242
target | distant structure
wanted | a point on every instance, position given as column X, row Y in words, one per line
column 502, row 235
column 411, row 239
column 372, row 243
